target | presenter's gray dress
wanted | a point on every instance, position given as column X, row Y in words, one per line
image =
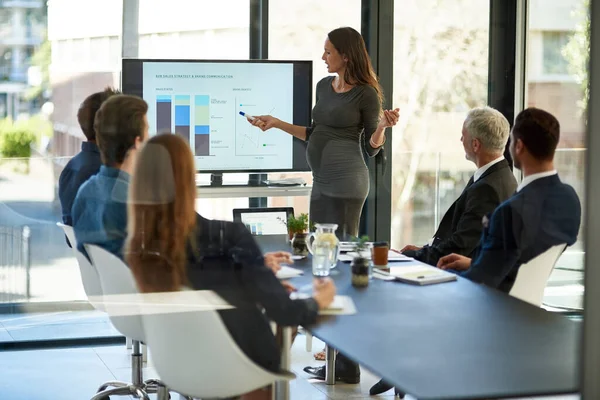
column 342, row 124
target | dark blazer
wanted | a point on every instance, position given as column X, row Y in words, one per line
column 543, row 214
column 228, row 261
column 77, row 171
column 460, row 229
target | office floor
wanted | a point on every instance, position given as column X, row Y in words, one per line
column 75, row 373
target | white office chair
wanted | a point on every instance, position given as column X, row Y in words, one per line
column 116, row 278
column 533, row 276
column 89, row 276
column 194, row 353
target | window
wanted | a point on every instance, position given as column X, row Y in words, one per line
column 440, row 72
column 554, row 44
column 564, row 48
column 297, row 31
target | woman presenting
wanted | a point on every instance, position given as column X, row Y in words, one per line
column 347, row 116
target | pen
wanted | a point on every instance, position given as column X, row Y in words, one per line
column 250, row 117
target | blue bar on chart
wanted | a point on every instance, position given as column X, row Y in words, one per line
column 163, row 113
column 202, row 125
column 182, row 116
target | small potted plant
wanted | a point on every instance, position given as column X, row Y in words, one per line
column 360, row 263
column 297, row 227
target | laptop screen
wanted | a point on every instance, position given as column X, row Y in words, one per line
column 264, row 221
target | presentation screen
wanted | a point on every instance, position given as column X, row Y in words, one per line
column 202, row 101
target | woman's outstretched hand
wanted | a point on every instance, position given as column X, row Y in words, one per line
column 264, row 122
column 389, row 118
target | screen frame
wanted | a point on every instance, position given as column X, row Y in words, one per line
column 298, row 145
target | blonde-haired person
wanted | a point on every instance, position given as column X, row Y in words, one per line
column 207, row 254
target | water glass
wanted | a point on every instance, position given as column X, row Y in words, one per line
column 321, row 258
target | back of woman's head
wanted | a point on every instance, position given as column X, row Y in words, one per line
column 359, row 70
column 161, row 215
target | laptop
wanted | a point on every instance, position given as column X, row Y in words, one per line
column 264, row 221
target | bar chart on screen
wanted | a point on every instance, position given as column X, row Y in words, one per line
column 202, row 125
column 202, row 104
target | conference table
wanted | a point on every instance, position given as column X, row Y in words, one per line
column 455, row 340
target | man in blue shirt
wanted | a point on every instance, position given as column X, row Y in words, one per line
column 100, row 207
column 87, row 162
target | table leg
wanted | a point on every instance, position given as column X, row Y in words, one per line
column 329, row 365
column 282, row 388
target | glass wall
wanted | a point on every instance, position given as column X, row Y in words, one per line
column 69, row 56
column 297, row 31
column 440, row 72
column 556, row 59
column 38, row 272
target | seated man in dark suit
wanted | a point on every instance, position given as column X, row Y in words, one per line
column 87, row 162
column 543, row 213
column 484, row 136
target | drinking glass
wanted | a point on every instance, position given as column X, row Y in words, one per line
column 321, row 259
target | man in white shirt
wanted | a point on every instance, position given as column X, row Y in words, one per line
column 543, row 213
column 484, row 136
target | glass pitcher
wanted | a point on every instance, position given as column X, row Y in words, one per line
column 325, row 233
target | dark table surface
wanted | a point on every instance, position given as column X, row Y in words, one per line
column 456, row 340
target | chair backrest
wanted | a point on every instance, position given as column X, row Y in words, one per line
column 194, row 354
column 116, row 278
column 533, row 276
column 89, row 275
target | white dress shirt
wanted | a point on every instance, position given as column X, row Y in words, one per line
column 528, row 179
column 487, row 166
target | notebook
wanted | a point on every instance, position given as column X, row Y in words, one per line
column 341, row 305
column 421, row 274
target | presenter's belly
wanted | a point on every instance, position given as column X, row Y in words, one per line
column 338, row 166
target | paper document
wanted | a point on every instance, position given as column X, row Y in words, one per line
column 341, row 305
column 421, row 274
column 288, row 272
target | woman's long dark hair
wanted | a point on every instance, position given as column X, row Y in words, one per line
column 161, row 214
column 359, row 70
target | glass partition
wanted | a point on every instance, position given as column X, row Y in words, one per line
column 556, row 81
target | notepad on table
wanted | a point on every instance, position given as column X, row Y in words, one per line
column 341, row 305
column 421, row 274
column 288, row 272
